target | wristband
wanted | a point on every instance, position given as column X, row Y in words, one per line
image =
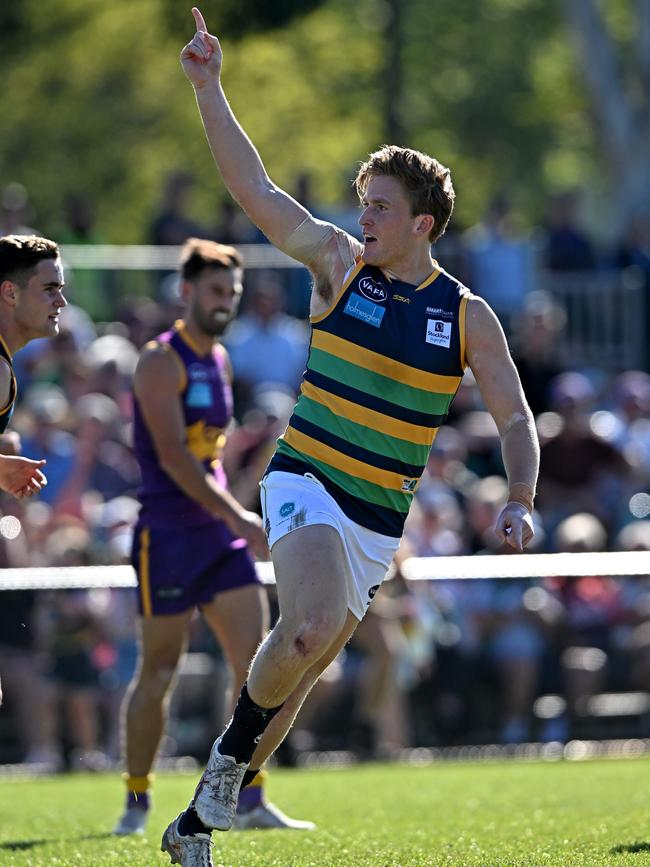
column 521, row 493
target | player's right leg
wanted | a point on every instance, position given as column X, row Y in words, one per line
column 162, row 641
column 280, row 725
column 313, row 612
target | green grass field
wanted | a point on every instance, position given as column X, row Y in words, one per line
column 564, row 813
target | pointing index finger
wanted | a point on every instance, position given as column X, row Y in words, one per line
column 198, row 18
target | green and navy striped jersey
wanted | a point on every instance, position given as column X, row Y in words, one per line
column 385, row 362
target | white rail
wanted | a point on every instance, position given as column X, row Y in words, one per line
column 415, row 569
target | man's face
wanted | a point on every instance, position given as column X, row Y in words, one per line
column 388, row 225
column 39, row 300
column 213, row 299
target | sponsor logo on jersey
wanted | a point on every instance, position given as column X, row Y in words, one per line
column 439, row 333
column 409, row 485
column 401, row 298
column 372, row 289
column 372, row 591
column 438, row 311
column 199, row 395
column 286, row 509
column 366, row 311
column 199, row 392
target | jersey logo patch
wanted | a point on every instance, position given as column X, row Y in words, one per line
column 439, row 333
column 372, row 290
column 199, row 395
column 366, row 311
column 438, row 311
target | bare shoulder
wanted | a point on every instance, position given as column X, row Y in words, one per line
column 157, row 366
column 6, row 376
column 226, row 360
column 483, row 329
column 336, row 257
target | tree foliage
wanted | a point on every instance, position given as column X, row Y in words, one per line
column 95, row 102
column 238, row 18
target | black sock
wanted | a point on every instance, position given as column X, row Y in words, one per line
column 245, row 728
column 189, row 823
column 249, row 776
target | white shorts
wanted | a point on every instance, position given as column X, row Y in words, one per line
column 291, row 501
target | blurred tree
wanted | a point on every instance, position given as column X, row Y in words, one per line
column 393, row 72
column 613, row 51
column 237, row 18
column 95, row 103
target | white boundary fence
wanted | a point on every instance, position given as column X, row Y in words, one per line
column 415, row 568
column 148, row 257
column 606, row 316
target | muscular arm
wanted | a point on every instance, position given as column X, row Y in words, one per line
column 327, row 251
column 19, row 476
column 157, row 376
column 498, row 382
column 275, row 212
column 239, row 163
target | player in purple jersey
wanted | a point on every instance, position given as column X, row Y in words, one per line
column 391, row 336
column 191, row 543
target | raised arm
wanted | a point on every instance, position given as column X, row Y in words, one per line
column 498, row 382
column 242, row 170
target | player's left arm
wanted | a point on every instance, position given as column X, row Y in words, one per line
column 498, row 381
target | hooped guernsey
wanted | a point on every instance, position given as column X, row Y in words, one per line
column 385, row 362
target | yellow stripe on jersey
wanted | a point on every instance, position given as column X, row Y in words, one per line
column 430, row 278
column 369, row 417
column 357, row 469
column 145, row 583
column 384, row 366
column 462, row 314
column 185, row 336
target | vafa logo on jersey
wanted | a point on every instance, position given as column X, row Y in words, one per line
column 372, row 290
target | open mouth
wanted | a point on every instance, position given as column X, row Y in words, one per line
column 369, row 239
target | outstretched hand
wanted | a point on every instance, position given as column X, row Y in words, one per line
column 21, row 477
column 201, row 58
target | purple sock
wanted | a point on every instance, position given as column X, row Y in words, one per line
column 138, row 799
column 249, row 798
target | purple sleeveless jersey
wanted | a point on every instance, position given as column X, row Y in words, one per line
column 206, row 398
column 182, row 555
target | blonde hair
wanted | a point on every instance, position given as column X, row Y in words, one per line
column 427, row 182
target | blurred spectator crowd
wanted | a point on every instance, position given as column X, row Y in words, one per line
column 435, row 662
